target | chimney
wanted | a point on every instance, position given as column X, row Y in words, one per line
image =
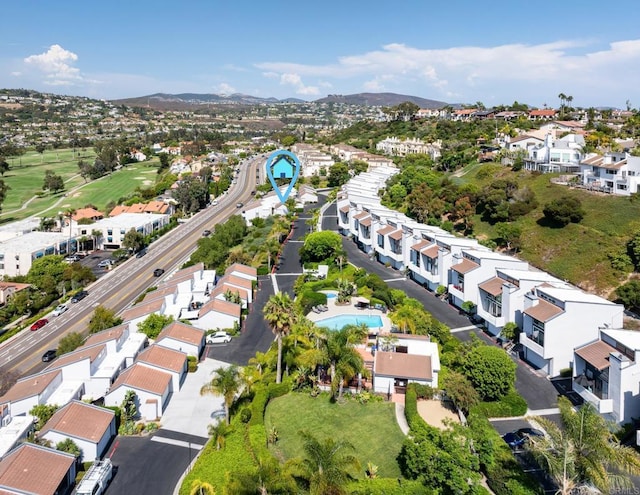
column 530, row 300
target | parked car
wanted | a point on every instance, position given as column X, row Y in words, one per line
column 60, row 309
column 50, row 355
column 72, row 259
column 79, row 296
column 105, row 263
column 214, row 202
column 218, row 338
column 39, row 324
column 206, row 233
column 158, row 272
column 519, row 437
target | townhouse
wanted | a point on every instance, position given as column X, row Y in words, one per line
column 556, row 155
column 553, row 317
column 614, row 173
column 606, row 374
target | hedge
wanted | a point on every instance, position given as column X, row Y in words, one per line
column 308, row 299
column 512, row 404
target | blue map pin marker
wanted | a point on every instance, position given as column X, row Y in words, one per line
column 279, row 166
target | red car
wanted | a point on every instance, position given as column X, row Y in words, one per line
column 39, row 324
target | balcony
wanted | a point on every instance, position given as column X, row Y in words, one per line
column 603, row 406
column 532, row 345
column 497, row 321
column 457, row 290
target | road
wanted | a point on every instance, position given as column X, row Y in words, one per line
column 120, row 287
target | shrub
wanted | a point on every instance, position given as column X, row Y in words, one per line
column 512, row 404
column 388, row 486
column 309, row 299
column 566, row 372
column 151, row 427
column 192, row 364
column 263, row 270
column 245, row 415
column 278, row 389
column 424, row 391
column 259, row 404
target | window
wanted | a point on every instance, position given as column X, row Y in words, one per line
column 622, row 187
column 110, row 232
column 538, row 332
column 431, row 265
column 122, row 232
column 381, row 241
column 415, row 257
column 494, row 305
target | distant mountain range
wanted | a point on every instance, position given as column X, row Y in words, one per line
column 166, row 101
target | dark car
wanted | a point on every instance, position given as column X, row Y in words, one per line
column 158, row 272
column 141, row 253
column 50, row 355
column 206, row 233
column 519, row 437
column 39, row 324
column 79, row 296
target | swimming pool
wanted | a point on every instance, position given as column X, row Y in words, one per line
column 337, row 322
column 331, row 295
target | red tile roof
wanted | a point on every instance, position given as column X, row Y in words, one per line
column 420, row 245
column 29, row 386
column 431, row 252
column 182, row 332
column 221, row 306
column 401, row 365
column 80, row 420
column 114, row 333
column 361, row 215
column 90, row 353
column 397, row 235
column 144, row 378
column 163, row 357
column 244, row 269
column 387, row 229
column 35, row 469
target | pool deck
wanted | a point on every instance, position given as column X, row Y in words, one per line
column 351, row 309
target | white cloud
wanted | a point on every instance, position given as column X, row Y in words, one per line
column 224, row 89
column 291, row 79
column 56, row 65
column 16, row 73
column 563, row 65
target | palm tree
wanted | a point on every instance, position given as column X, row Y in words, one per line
column 590, row 451
column 327, row 464
column 199, row 487
column 267, row 477
column 219, row 433
column 344, row 360
column 226, row 382
column 279, row 313
column 562, row 98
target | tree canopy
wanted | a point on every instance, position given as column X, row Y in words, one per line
column 490, row 370
column 563, row 211
column 321, row 246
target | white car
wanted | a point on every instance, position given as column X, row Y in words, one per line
column 219, row 338
column 59, row 310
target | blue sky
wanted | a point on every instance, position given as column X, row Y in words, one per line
column 453, row 51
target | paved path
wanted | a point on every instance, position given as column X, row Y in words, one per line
column 401, row 418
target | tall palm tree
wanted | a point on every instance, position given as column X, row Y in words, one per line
column 279, row 313
column 327, row 464
column 593, row 452
column 226, row 382
column 562, row 98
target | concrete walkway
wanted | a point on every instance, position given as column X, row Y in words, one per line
column 401, row 418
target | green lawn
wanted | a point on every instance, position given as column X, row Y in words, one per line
column 26, row 175
column 577, row 252
column 371, row 428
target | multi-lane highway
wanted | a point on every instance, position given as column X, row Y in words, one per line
column 120, row 287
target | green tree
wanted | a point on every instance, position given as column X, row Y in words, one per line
column 338, row 174
column 279, row 314
column 629, row 294
column 153, row 324
column 133, row 240
column 4, row 165
column 218, row 432
column 129, row 413
column 267, row 477
column 192, row 194
column 3, row 192
column 43, row 413
column 585, row 452
column 460, row 390
column 102, row 319
column 226, row 382
column 345, row 362
column 563, row 211
column 321, row 246
column 69, row 343
column 490, row 370
column 508, row 235
column 52, row 181
column 327, row 465
column 70, row 447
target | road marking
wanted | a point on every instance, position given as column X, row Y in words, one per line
column 401, row 279
column 179, row 443
column 298, row 242
column 462, row 329
column 543, row 412
column 274, row 282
